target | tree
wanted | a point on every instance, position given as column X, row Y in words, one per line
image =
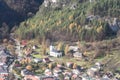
column 29, row 67
column 61, row 77
column 99, row 53
column 44, row 47
column 66, row 49
column 99, row 29
column 59, row 46
column 50, row 66
column 74, row 66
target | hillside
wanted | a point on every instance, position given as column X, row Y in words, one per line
column 72, row 20
column 12, row 12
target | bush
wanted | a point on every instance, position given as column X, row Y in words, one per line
column 99, row 53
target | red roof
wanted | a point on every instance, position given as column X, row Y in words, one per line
column 32, row 77
column 24, row 42
column 2, row 79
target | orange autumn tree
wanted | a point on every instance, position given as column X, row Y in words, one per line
column 29, row 67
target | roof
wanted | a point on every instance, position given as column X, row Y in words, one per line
column 2, row 53
column 46, row 59
column 48, row 78
column 2, row 47
column 26, row 72
column 31, row 77
column 37, row 60
column 3, row 70
column 77, row 54
column 24, row 42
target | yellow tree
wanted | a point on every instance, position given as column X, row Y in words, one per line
column 66, row 49
column 44, row 47
column 71, row 26
column 70, row 17
column 74, row 66
column 50, row 66
column 99, row 29
column 59, row 46
column 27, row 60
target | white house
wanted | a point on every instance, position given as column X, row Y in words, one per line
column 54, row 52
column 74, row 48
column 54, row 1
column 77, row 55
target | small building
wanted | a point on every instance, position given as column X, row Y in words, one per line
column 31, row 77
column 37, row 60
column 48, row 72
column 78, row 55
column 54, row 52
column 48, row 78
column 69, row 64
column 76, row 71
column 3, row 72
column 57, row 71
column 26, row 72
column 74, row 48
column 46, row 60
column 24, row 42
column 35, row 47
column 67, row 72
column 67, row 77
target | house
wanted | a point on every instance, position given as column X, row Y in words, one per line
column 59, row 65
column 5, row 60
column 46, row 60
column 35, row 47
column 37, row 60
column 48, row 78
column 66, row 72
column 78, row 55
column 24, row 42
column 93, row 70
column 74, row 48
column 25, row 72
column 48, row 72
column 3, row 72
column 76, row 71
column 69, row 64
column 31, row 77
column 105, row 77
column 54, row 52
column 56, row 71
column 77, row 77
column 90, row 72
column 67, row 77
column 3, row 57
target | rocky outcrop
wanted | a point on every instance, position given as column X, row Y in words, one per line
column 115, row 25
column 59, row 4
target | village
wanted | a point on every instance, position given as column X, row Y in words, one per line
column 54, row 64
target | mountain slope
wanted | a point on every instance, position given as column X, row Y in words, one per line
column 71, row 20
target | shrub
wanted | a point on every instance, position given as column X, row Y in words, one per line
column 99, row 53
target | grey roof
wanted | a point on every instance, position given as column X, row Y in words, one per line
column 3, row 70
